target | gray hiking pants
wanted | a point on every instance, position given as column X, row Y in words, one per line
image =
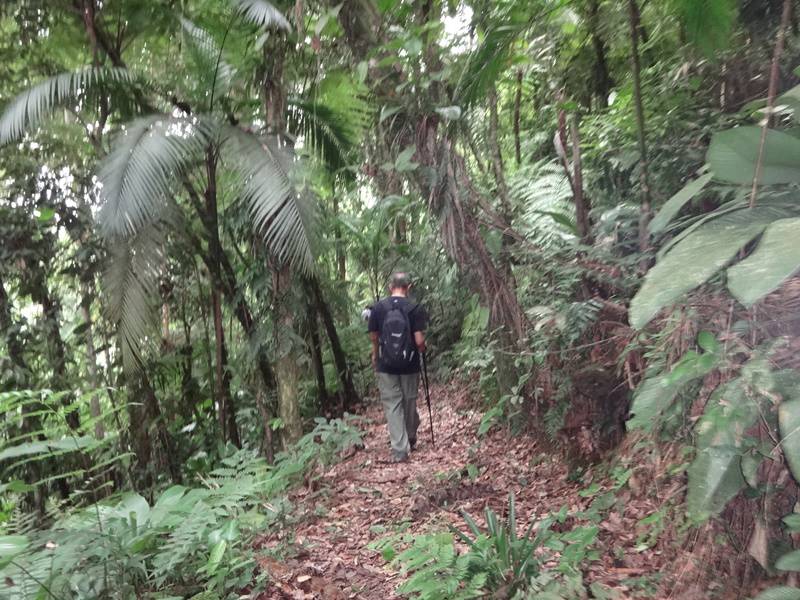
column 399, row 399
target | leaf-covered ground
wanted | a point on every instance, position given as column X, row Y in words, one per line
column 364, row 498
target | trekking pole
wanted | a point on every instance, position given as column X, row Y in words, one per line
column 426, row 385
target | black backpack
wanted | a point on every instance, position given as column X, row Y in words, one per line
column 397, row 345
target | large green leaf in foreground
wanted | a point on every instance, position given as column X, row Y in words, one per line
column 776, row 259
column 733, row 155
column 694, row 259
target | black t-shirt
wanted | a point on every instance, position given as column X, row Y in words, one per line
column 417, row 318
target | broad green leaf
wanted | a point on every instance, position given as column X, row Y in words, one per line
column 715, row 477
column 733, row 155
column 707, row 341
column 652, row 398
column 728, row 414
column 792, row 522
column 403, row 161
column 11, row 545
column 673, row 206
column 789, row 423
column 780, row 592
column 775, row 260
column 693, row 260
column 215, row 558
column 789, row 561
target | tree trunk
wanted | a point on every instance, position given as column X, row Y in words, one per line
column 579, row 197
column 602, row 78
column 316, row 360
column 227, row 412
column 350, row 396
column 153, row 417
column 517, row 107
column 51, row 317
column 287, row 372
column 645, row 207
column 222, row 377
column 91, row 361
column 341, row 263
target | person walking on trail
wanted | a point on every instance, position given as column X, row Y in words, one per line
column 397, row 328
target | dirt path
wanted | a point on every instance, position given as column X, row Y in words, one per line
column 364, row 499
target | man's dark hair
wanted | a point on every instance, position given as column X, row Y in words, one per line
column 399, row 280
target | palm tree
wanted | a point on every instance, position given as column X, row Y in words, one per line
column 163, row 178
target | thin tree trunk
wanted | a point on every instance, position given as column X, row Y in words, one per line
column 771, row 93
column 316, row 359
column 227, row 412
column 517, row 106
column 350, row 396
column 496, row 156
column 91, row 361
column 581, row 203
column 602, row 78
column 341, row 263
column 51, row 316
column 645, row 207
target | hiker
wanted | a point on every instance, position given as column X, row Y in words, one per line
column 397, row 328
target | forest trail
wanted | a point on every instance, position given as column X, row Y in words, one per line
column 363, row 499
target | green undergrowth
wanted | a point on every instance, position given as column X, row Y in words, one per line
column 189, row 542
column 490, row 554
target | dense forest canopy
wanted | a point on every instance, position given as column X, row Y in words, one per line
column 595, row 201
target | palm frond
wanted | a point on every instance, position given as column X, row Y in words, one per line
column 495, row 52
column 327, row 136
column 215, row 75
column 131, row 281
column 262, row 13
column 30, row 108
column 284, row 217
column 141, row 171
column 708, row 24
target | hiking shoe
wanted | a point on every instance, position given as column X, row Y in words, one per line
column 398, row 457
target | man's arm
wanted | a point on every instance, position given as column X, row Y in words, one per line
column 374, row 337
column 419, row 338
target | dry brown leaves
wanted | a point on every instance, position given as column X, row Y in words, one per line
column 361, row 499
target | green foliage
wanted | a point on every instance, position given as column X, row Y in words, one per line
column 497, row 558
column 438, row 571
column 701, row 252
column 189, row 539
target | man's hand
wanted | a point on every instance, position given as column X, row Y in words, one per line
column 374, row 361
